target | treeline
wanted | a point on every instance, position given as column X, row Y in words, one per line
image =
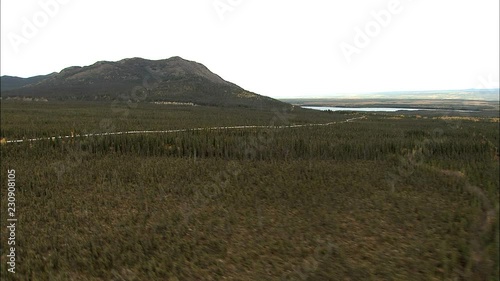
column 343, row 141
column 33, row 120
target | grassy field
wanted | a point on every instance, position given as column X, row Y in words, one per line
column 387, row 197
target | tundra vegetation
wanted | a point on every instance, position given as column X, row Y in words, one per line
column 386, row 197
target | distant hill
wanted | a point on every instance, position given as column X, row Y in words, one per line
column 464, row 94
column 13, row 82
column 170, row 80
column 461, row 94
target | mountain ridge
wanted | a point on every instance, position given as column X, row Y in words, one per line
column 167, row 80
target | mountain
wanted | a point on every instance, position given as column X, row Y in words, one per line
column 14, row 82
column 136, row 79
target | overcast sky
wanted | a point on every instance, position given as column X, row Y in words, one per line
column 278, row 48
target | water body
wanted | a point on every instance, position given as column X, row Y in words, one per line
column 381, row 109
column 389, row 109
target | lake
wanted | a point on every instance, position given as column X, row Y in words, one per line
column 390, row 109
column 387, row 109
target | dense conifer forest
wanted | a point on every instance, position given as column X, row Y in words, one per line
column 379, row 197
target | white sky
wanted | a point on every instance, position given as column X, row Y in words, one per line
column 278, row 48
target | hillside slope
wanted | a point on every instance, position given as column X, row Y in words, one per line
column 136, row 79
